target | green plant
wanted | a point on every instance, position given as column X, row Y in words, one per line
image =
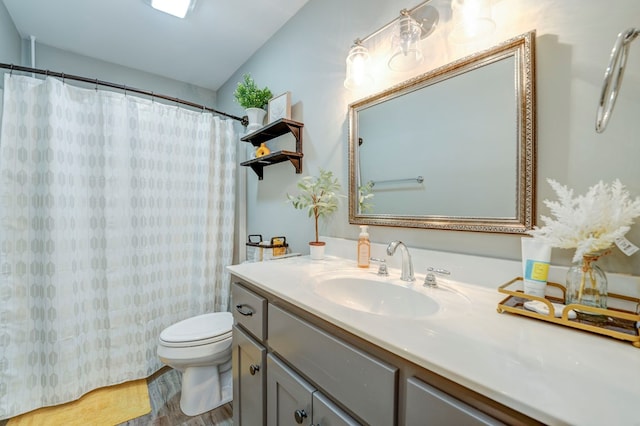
column 319, row 195
column 364, row 195
column 249, row 95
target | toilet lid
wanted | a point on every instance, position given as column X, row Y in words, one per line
column 207, row 327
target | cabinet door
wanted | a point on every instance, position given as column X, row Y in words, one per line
column 427, row 405
column 326, row 413
column 249, row 384
column 288, row 395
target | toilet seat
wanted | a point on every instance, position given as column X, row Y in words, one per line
column 199, row 330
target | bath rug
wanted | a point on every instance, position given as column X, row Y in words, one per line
column 107, row 406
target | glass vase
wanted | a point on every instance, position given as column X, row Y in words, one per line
column 587, row 283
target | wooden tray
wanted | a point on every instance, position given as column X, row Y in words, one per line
column 618, row 322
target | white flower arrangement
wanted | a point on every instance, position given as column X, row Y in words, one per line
column 591, row 222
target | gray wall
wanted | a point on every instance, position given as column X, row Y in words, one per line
column 574, row 40
column 9, row 39
column 14, row 50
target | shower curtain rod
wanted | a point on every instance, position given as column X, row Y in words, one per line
column 244, row 120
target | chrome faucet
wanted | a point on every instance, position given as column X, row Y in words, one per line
column 407, row 265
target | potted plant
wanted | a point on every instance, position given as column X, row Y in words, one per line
column 319, row 196
column 253, row 100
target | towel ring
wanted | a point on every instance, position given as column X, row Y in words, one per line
column 612, row 82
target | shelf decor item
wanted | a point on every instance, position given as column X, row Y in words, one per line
column 586, row 283
column 253, row 100
column 280, row 107
column 319, row 196
column 590, row 224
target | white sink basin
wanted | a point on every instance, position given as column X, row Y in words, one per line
column 376, row 297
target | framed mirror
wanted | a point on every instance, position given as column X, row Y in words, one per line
column 451, row 149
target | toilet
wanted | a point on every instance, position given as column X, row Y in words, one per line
column 200, row 347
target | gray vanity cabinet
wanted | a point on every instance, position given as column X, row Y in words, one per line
column 249, row 357
column 289, row 397
column 291, row 367
column 291, row 400
column 426, row 405
column 249, row 379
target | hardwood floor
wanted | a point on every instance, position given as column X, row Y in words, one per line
column 164, row 393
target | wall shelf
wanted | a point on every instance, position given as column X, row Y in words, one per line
column 270, row 131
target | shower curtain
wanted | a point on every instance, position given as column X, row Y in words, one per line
column 116, row 220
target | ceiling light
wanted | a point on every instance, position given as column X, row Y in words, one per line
column 178, row 8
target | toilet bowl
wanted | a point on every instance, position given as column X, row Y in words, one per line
column 200, row 347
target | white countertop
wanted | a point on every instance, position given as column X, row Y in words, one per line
column 554, row 374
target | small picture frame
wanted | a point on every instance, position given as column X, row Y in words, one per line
column 280, row 107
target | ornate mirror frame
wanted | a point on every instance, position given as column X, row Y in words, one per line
column 521, row 48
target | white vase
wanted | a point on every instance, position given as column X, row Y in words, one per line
column 256, row 118
column 316, row 250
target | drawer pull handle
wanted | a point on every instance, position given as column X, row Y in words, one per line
column 253, row 369
column 243, row 310
column 300, row 415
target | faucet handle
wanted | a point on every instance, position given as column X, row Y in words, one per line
column 430, row 278
column 439, row 271
column 382, row 268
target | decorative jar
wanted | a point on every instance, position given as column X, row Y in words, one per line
column 587, row 283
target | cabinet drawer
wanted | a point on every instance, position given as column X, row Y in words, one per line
column 428, row 405
column 359, row 381
column 249, row 311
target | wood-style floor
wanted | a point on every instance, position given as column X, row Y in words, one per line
column 164, row 393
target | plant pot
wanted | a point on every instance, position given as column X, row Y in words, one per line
column 316, row 250
column 256, row 118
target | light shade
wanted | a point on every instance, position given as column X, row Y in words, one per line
column 177, row 8
column 472, row 20
column 358, row 67
column 405, row 52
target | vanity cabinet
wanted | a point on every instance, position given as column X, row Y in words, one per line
column 271, row 131
column 312, row 371
column 426, row 405
column 249, row 357
column 249, row 384
column 291, row 400
column 358, row 380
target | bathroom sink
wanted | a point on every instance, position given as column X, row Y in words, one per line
column 377, row 297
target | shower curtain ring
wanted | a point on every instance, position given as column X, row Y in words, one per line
column 96, row 84
column 63, row 78
column 11, row 72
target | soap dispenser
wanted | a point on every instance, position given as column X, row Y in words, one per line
column 364, row 247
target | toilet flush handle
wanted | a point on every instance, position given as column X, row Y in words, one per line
column 244, row 310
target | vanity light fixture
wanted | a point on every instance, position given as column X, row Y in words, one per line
column 472, row 19
column 405, row 53
column 178, row 8
column 358, row 67
column 409, row 28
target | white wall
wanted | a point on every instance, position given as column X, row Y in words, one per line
column 574, row 39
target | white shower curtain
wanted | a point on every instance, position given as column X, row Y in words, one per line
column 116, row 220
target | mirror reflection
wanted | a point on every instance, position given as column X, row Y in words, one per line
column 451, row 149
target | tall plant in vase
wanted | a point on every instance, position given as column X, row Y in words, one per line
column 319, row 196
column 591, row 224
column 253, row 100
